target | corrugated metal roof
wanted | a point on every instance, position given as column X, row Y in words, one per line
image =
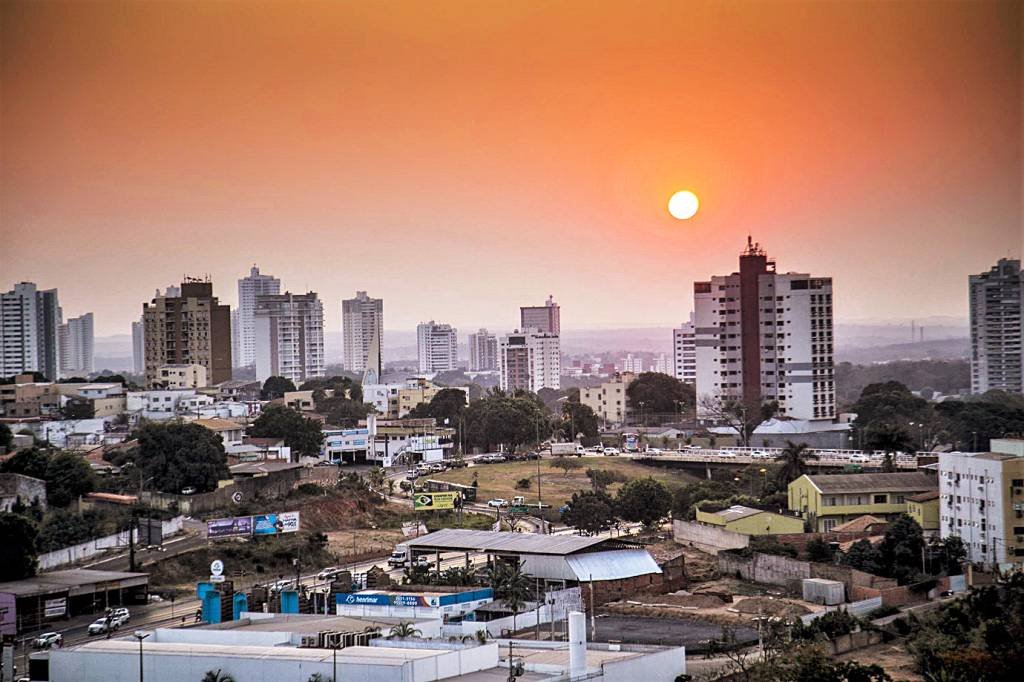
column 872, row 483
column 612, row 565
column 461, row 539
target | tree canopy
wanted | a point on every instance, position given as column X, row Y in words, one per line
column 589, row 512
column 275, row 387
column 793, row 463
column 447, row 406
column 664, row 397
column 644, row 500
column 301, row 434
column 500, row 418
column 67, row 474
column 577, row 420
column 6, row 437
column 179, row 455
column 19, row 536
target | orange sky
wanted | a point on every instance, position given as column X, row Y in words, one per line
column 462, row 158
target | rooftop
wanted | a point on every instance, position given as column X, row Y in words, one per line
column 737, row 512
column 70, row 579
column 924, row 497
column 860, row 524
column 267, row 467
column 302, row 623
column 873, row 483
column 513, row 543
column 218, row 424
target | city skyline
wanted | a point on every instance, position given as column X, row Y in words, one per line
column 350, row 134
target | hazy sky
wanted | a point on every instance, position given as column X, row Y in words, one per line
column 460, row 159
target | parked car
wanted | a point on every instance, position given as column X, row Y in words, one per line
column 437, row 467
column 47, row 640
column 533, row 455
column 458, row 463
column 497, row 503
column 122, row 614
column 101, row 626
column 611, row 452
column 281, row 585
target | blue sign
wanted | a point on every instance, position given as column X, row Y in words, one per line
column 364, row 600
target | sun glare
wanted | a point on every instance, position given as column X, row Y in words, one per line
column 683, row 205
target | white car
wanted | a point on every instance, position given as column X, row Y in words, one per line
column 281, row 585
column 328, row 573
column 727, row 454
column 47, row 640
column 101, row 626
column 860, row 458
column 611, row 452
column 497, row 503
column 760, row 454
column 122, row 615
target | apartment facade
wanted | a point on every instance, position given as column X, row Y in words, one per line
column 288, row 333
column 244, row 327
column 182, row 376
column 684, row 353
column 30, row 322
column 632, row 364
column 483, row 351
column 996, row 302
column 76, row 346
column 139, row 346
column 764, row 336
column 544, row 318
column 437, row 347
column 981, row 501
column 362, row 322
column 608, row 401
column 529, row 360
column 192, row 327
column 828, row 500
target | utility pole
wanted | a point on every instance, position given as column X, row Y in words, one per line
column 131, row 548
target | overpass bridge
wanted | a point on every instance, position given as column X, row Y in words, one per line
column 735, row 458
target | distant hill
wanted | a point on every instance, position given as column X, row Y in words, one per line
column 940, row 349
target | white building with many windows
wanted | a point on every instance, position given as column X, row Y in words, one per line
column 243, row 330
column 684, row 353
column 483, row 351
column 288, row 332
column 437, row 347
column 76, row 346
column 362, row 327
column 529, row 360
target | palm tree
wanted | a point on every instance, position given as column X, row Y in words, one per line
column 377, row 476
column 794, row 465
column 510, row 585
column 403, row 629
column 218, row 676
column 391, row 487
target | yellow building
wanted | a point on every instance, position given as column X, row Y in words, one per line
column 181, row 376
column 750, row 521
column 924, row 509
column 827, row 500
column 608, row 401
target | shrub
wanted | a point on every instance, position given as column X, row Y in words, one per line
column 524, row 484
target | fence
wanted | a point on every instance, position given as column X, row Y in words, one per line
column 559, row 604
column 84, row 550
column 856, row 608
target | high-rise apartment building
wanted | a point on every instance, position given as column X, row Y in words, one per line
column 188, row 326
column 684, row 353
column 483, row 351
column 249, row 288
column 996, row 302
column 76, row 346
column 544, row 318
column 139, row 346
column 762, row 336
column 632, row 364
column 529, row 360
column 662, row 364
column 362, row 326
column 437, row 347
column 288, row 332
column 30, row 331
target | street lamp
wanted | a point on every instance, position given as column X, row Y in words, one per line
column 140, row 635
column 764, row 472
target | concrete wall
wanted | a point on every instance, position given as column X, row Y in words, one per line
column 707, row 538
column 270, row 487
column 654, row 666
column 69, row 555
column 764, row 568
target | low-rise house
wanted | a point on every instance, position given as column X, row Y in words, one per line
column 181, row 376
column 27, row 399
column 229, row 431
column 751, row 521
column 827, row 500
column 924, row 508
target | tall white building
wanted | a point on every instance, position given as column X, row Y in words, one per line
column 242, row 328
column 288, row 334
column 139, row 346
column 437, row 347
column 529, row 360
column 30, row 331
column 631, row 364
column 684, row 353
column 362, row 326
column 662, row 365
column 762, row 336
column 76, row 346
column 483, row 351
column 997, row 328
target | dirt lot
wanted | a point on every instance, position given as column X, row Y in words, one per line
column 499, row 480
column 678, row 631
column 890, row 656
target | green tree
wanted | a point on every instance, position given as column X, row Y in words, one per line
column 447, row 406
column 63, row 528
column 736, row 414
column 863, row 556
column 301, row 434
column 664, row 397
column 178, row 455
column 820, row 551
column 6, row 438
column 645, row 500
column 217, row 676
column 68, row 476
column 19, row 536
column 971, row 424
column 793, row 463
column 888, row 402
column 511, row 585
column 589, row 512
column 577, row 420
column 901, row 548
column 506, row 419
column 377, row 476
column 28, row 462
column 343, row 411
column 687, row 497
column 275, row 387
column 403, row 629
column 566, row 464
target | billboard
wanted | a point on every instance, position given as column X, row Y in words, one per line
column 272, row 524
column 231, row 527
column 55, row 608
column 431, row 501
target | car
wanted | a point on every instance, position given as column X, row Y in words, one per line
column 860, row 458
column 101, row 626
column 436, row 467
column 421, row 562
column 726, row 454
column 611, row 452
column 760, row 454
column 190, row 490
column 281, row 585
column 532, row 455
column 122, row 614
column 328, row 573
column 691, row 447
column 458, row 463
column 47, row 640
column 497, row 503
column 411, row 476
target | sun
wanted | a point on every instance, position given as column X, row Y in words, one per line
column 683, row 205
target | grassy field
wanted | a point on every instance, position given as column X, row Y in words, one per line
column 499, row 480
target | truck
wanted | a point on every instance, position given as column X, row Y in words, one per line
column 399, row 556
column 563, row 449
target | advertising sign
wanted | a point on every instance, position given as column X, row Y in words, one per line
column 407, row 600
column 272, row 524
column 55, row 608
column 232, row 527
column 431, row 501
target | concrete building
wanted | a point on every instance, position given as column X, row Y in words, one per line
column 288, row 332
column 27, row 399
column 997, row 327
column 608, row 401
column 631, row 364
column 663, row 365
column 181, row 376
column 362, row 327
column 437, row 347
column 76, row 346
column 827, row 500
column 408, row 441
column 483, row 351
column 230, row 432
column 139, row 346
column 396, row 400
column 192, row 327
column 684, row 352
column 924, row 508
column 750, row 521
column 763, row 336
column 529, row 360
column 544, row 318
column 249, row 289
column 981, row 501
column 30, row 322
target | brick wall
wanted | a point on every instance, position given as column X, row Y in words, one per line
column 707, row 538
column 800, row 540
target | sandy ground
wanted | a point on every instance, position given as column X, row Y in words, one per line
column 891, row 656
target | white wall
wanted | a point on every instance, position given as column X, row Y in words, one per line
column 69, row 555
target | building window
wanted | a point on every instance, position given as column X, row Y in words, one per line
column 881, row 499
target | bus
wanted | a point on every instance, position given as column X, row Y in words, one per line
column 631, row 442
column 435, row 486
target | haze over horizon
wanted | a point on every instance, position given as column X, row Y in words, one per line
column 459, row 160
